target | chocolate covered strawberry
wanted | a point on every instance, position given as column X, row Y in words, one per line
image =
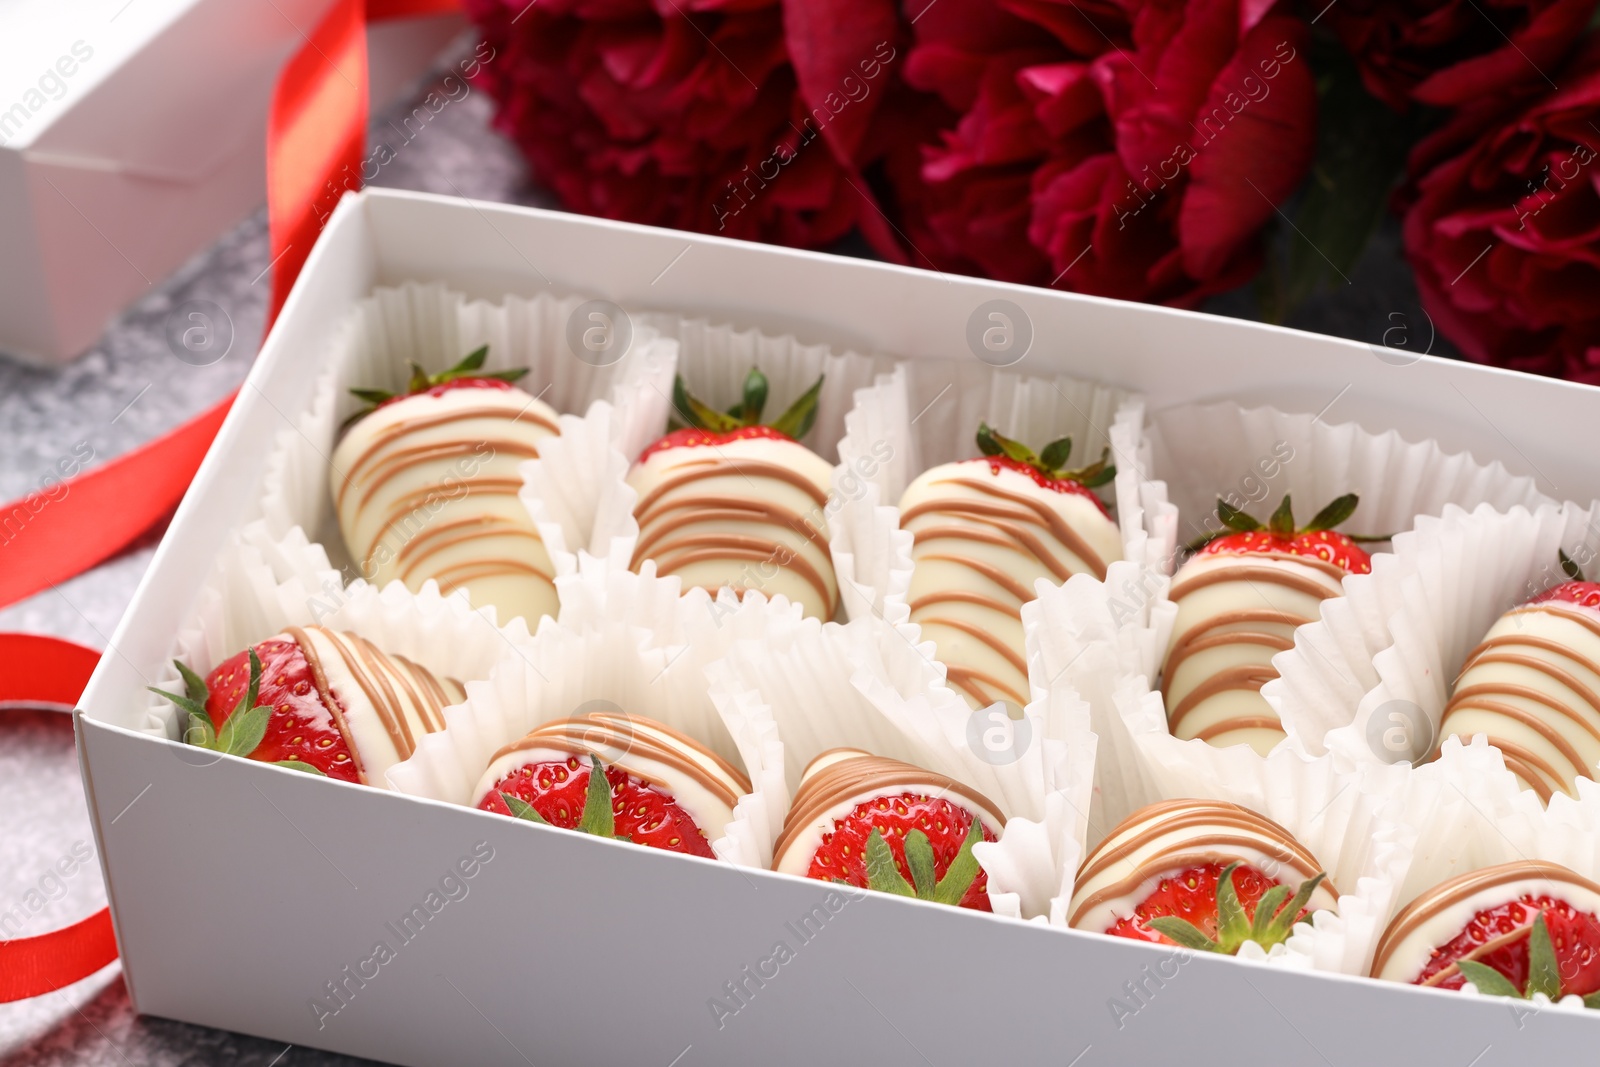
column 315, row 699
column 1513, row 930
column 880, row 824
column 731, row 501
column 984, row 531
column 426, row 486
column 617, row 776
column 1240, row 599
column 1532, row 686
column 1203, row 874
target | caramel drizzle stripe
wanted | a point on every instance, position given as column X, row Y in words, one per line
column 408, row 505
column 1536, row 723
column 714, row 468
column 1156, row 820
column 331, row 702
column 453, row 578
column 1583, row 617
column 971, row 680
column 1448, row 894
column 1174, row 860
column 959, row 596
column 362, row 660
column 1014, row 536
column 868, row 777
column 597, row 733
column 1191, row 644
column 1242, row 722
column 1245, row 678
column 382, row 439
column 991, row 572
column 1249, row 572
column 434, row 699
column 720, row 547
column 1501, row 650
column 1473, row 693
column 1043, row 515
column 1533, row 770
column 686, row 511
column 435, row 541
column 404, row 459
column 1001, row 648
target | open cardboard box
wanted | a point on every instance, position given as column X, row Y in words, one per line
column 241, row 892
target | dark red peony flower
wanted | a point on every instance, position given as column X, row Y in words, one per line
column 1448, row 52
column 1504, row 237
column 757, row 119
column 1130, row 149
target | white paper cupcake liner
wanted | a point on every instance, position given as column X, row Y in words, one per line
column 434, row 327
column 259, row 586
column 1399, row 637
column 861, row 685
column 634, row 643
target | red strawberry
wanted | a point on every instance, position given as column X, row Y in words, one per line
column 1046, row 468
column 885, row 841
column 1317, row 539
column 705, row 425
column 1578, row 591
column 263, row 704
column 1213, row 908
column 464, row 375
column 1524, row 946
column 611, row 804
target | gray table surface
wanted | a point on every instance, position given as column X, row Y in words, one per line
column 130, row 388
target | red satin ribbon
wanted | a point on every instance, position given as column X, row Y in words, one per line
column 316, row 133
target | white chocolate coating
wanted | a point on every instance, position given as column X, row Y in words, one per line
column 426, row 487
column 748, row 514
column 983, row 536
column 835, row 782
column 384, row 702
column 1235, row 612
column 1533, row 686
column 697, row 780
column 1163, row 839
column 1438, row 916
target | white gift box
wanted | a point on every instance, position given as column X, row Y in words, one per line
column 132, row 135
column 244, row 896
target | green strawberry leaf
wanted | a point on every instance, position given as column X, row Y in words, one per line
column 1282, row 924
column 194, row 709
column 1096, row 475
column 1544, row 976
column 516, row 374
column 242, row 733
column 1267, row 910
column 372, row 396
column 1591, row 1000
column 919, row 857
column 419, row 381
column 193, row 684
column 882, row 873
column 801, row 415
column 298, row 765
column 1234, row 519
column 697, row 414
column 1013, row 449
column 1334, row 514
column 253, row 692
column 959, row 876
column 470, row 362
column 1282, row 521
column 986, row 442
column 1490, row 982
column 1233, row 925
column 522, row 809
column 748, row 411
column 598, row 818
column 1569, row 567
column 1056, row 453
column 1184, row 933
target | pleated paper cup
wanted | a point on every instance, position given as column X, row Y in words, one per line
column 598, row 398
column 630, row 644
column 1100, row 641
column 1371, row 677
column 861, row 685
column 260, row 586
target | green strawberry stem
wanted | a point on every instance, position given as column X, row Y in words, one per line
column 241, row 735
column 795, row 422
column 883, row 874
column 1544, row 974
column 1273, row 923
column 1282, row 524
column 1051, row 462
column 471, row 366
column 597, row 817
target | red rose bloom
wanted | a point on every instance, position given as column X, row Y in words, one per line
column 1447, row 52
column 747, row 118
column 1505, row 236
column 1070, row 167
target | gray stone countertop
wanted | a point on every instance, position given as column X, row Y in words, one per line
column 130, row 388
